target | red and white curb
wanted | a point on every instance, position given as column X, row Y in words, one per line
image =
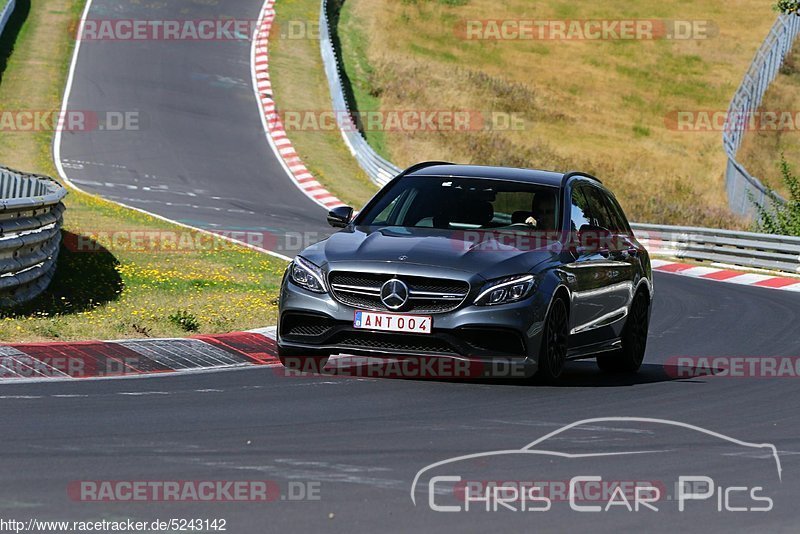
column 727, row 275
column 23, row 362
column 137, row 358
column 273, row 126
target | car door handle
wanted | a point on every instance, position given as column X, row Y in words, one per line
column 624, row 254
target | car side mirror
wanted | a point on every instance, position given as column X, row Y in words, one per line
column 339, row 217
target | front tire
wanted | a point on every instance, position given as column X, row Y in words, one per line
column 553, row 352
column 302, row 360
column 634, row 340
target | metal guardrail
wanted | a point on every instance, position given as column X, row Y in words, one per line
column 31, row 215
column 379, row 170
column 741, row 186
column 5, row 14
column 745, row 249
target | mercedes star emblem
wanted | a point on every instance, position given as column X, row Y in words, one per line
column 394, row 294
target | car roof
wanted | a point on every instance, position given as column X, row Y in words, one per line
column 533, row 176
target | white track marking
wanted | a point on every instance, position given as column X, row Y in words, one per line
column 699, row 271
column 749, row 279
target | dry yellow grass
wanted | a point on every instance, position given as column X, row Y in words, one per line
column 761, row 149
column 600, row 106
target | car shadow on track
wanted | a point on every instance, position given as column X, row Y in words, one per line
column 576, row 374
column 587, row 374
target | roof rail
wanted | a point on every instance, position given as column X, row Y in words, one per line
column 424, row 164
column 570, row 174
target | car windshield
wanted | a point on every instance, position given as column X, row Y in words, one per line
column 464, row 203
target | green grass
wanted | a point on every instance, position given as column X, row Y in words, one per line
column 366, row 96
column 114, row 291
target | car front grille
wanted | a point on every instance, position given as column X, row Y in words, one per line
column 394, row 342
column 426, row 295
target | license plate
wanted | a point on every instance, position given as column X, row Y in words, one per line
column 390, row 322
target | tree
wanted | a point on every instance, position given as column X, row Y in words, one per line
column 787, row 6
column 777, row 217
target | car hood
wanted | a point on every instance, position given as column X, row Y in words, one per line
column 489, row 254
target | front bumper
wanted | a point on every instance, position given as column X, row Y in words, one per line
column 495, row 337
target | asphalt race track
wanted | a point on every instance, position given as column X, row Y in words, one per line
column 200, row 157
column 194, row 149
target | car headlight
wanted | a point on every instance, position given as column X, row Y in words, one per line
column 505, row 290
column 307, row 275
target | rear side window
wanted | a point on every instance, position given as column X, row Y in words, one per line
column 579, row 210
column 597, row 208
column 622, row 226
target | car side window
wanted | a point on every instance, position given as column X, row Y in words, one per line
column 386, row 213
column 618, row 215
column 600, row 215
column 579, row 210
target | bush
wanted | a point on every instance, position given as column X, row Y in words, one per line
column 787, row 6
column 779, row 217
column 185, row 321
